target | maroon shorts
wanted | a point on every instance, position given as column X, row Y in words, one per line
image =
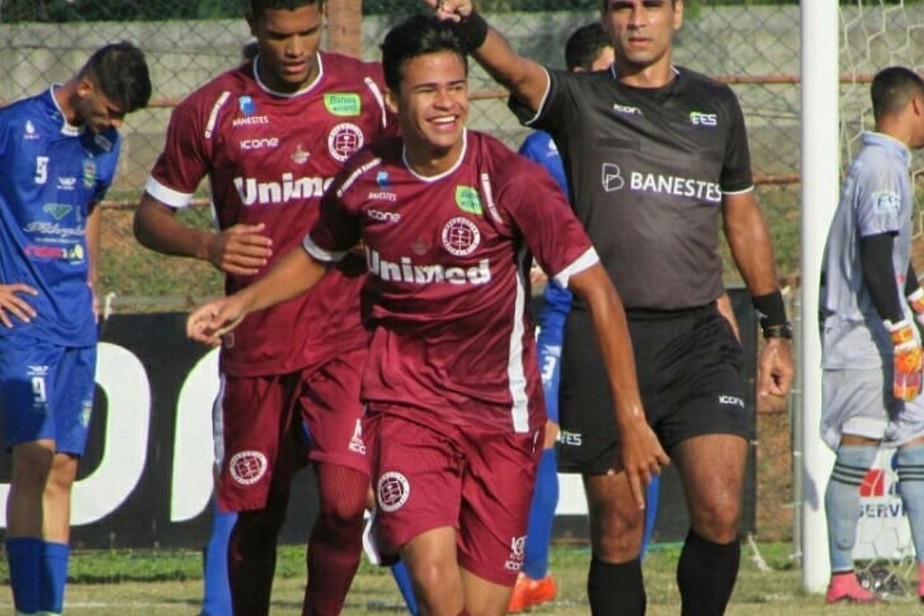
column 268, row 427
column 479, row 482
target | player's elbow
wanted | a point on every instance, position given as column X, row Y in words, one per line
column 145, row 222
column 593, row 285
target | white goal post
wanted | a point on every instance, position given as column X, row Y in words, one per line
column 820, row 187
column 842, row 46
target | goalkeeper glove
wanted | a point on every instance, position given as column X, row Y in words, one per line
column 906, row 378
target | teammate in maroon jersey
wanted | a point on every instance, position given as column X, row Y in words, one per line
column 270, row 135
column 449, row 219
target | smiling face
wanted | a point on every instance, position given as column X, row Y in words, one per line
column 288, row 44
column 642, row 33
column 432, row 109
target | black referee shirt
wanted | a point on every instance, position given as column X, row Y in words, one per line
column 647, row 169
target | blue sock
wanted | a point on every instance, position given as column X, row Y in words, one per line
column 910, row 466
column 541, row 517
column 25, row 560
column 651, row 512
column 216, row 598
column 54, row 576
column 403, row 580
column 842, row 502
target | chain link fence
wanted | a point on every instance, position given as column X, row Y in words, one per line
column 753, row 46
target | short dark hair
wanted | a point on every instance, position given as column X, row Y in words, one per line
column 250, row 51
column 257, row 7
column 892, row 88
column 121, row 73
column 584, row 46
column 416, row 36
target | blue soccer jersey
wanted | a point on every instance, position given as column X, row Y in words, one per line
column 538, row 146
column 52, row 176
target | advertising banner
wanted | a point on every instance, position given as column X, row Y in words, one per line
column 146, row 478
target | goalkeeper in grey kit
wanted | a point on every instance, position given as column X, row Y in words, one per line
column 868, row 302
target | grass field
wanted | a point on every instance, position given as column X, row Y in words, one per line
column 168, row 583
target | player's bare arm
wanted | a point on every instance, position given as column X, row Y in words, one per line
column 241, row 249
column 749, row 241
column 525, row 79
column 292, row 275
column 724, row 306
column 93, row 233
column 12, row 305
column 642, row 455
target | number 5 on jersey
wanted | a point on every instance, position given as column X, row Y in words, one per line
column 41, row 169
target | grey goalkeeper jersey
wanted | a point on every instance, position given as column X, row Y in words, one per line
column 647, row 170
column 876, row 198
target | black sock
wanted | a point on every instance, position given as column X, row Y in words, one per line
column 706, row 575
column 616, row 589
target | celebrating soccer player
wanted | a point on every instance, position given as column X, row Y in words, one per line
column 449, row 219
column 270, row 135
column 58, row 156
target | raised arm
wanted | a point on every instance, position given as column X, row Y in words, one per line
column 749, row 241
column 240, row 249
column 642, row 455
column 526, row 79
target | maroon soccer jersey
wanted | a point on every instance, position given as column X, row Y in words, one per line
column 448, row 260
column 269, row 157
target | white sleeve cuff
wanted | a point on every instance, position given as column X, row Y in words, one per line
column 585, row 261
column 320, row 254
column 739, row 192
column 167, row 195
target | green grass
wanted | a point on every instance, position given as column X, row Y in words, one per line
column 167, row 582
column 129, row 270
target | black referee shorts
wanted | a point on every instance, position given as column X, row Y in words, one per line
column 689, row 371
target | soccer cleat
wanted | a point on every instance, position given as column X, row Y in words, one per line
column 529, row 593
column 845, row 587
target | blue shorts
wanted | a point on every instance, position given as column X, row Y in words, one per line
column 46, row 392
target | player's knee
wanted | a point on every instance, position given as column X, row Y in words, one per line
column 909, row 457
column 342, row 510
column 617, row 549
column 434, row 582
column 254, row 529
column 32, row 464
column 617, row 538
column 717, row 524
column 58, row 484
column 844, row 541
column 337, row 516
column 343, row 495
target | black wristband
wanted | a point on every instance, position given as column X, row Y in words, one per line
column 472, row 30
column 783, row 331
column 772, row 309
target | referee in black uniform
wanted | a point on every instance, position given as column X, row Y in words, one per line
column 654, row 153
